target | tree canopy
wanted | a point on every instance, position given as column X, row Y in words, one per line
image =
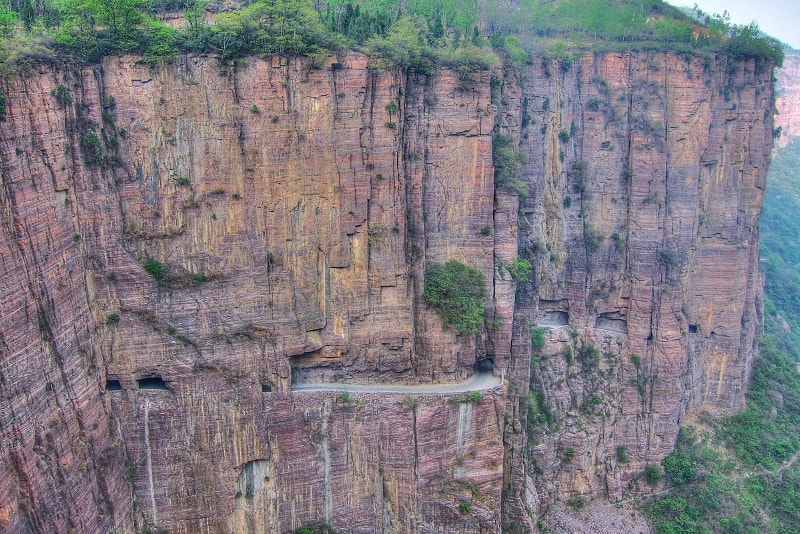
column 414, row 33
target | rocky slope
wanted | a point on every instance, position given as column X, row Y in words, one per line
column 294, row 210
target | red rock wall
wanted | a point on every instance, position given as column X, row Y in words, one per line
column 63, row 463
column 646, row 176
column 295, row 211
column 309, row 208
column 787, row 99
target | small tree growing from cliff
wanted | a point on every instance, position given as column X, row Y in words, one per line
column 458, row 292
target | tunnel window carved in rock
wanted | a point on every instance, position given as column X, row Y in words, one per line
column 113, row 385
column 155, row 383
column 612, row 321
column 252, row 477
column 553, row 313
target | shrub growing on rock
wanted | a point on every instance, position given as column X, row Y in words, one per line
column 458, row 292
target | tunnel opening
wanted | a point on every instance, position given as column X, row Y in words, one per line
column 155, row 383
column 266, row 388
column 612, row 322
column 692, row 328
column 553, row 313
column 483, row 366
column 113, row 385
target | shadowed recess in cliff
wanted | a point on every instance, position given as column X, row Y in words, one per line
column 612, row 322
column 553, row 313
column 152, row 384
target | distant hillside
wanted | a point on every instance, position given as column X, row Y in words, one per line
column 780, row 249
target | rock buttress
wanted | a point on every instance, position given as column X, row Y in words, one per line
column 646, row 174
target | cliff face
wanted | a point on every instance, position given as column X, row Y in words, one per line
column 294, row 211
column 646, row 177
column 787, row 99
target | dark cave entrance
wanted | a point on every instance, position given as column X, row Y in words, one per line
column 483, row 366
column 155, row 383
column 113, row 385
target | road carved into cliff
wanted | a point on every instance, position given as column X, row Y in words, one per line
column 478, row 382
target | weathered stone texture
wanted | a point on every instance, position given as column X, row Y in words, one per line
column 787, row 99
column 295, row 210
column 646, row 175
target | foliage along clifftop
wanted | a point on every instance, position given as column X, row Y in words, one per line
column 418, row 33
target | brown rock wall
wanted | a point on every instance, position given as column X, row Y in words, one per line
column 787, row 99
column 294, row 211
column 646, row 175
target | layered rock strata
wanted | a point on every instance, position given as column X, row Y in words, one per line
column 182, row 244
column 646, row 174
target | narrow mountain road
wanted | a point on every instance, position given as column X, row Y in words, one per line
column 478, row 382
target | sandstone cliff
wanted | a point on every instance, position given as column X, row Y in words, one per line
column 787, row 99
column 294, row 211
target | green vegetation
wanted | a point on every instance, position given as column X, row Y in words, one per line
column 457, row 291
column 344, row 397
column 507, row 166
column 112, row 318
column 576, row 501
column 375, row 232
column 92, row 148
column 652, row 475
column 466, row 398
column 415, row 34
column 537, row 338
column 464, row 507
column 592, row 237
column 520, row 269
column 539, row 412
column 588, row 355
column 633, row 24
column 410, row 401
column 154, row 268
column 314, row 528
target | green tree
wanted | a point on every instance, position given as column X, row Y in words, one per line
column 119, row 17
column 8, row 19
column 458, row 292
column 404, row 45
column 197, row 31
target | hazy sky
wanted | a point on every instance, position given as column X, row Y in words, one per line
column 779, row 18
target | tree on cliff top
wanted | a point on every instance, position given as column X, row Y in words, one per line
column 458, row 292
column 119, row 17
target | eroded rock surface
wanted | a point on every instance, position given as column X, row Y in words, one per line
column 294, row 211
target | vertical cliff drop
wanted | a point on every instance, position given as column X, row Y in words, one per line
column 182, row 245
